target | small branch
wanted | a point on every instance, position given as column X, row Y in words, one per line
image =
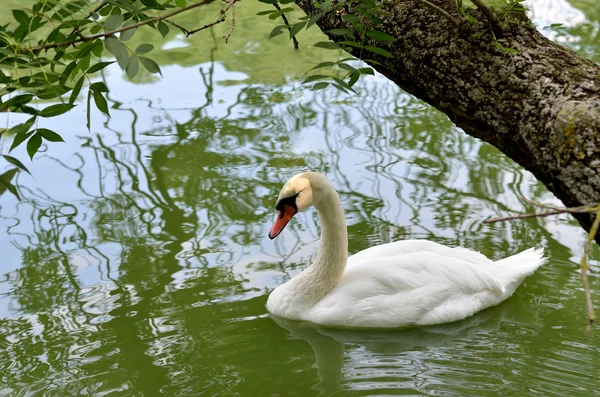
column 223, row 13
column 491, row 17
column 285, row 20
column 440, row 10
column 122, row 29
column 232, row 5
column 554, row 211
column 585, row 269
column 588, row 208
column 178, row 26
column 98, row 8
column 524, row 216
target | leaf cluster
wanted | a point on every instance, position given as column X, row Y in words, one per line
column 362, row 18
column 42, row 75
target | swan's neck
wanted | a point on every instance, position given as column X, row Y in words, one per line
column 329, row 265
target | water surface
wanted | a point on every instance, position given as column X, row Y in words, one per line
column 137, row 262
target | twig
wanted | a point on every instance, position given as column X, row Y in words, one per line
column 232, row 5
column 445, row 13
column 178, row 26
column 223, row 13
column 524, row 216
column 588, row 208
column 491, row 17
column 122, row 29
column 285, row 20
column 554, row 211
column 98, row 8
column 585, row 268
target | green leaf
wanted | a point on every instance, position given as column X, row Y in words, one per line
column 16, row 101
column 89, row 110
column 328, row 45
column 352, row 19
column 347, row 67
column 267, row 12
column 49, row 135
column 180, row 3
column 505, row 49
column 98, row 48
column 313, row 20
column 366, row 71
column 113, row 22
column 98, row 66
column 163, row 28
column 342, row 83
column 33, row 145
column 144, row 48
column 377, row 50
column 99, row 86
column 275, row 15
column 55, row 110
column 133, row 66
column 16, row 162
column 319, row 86
column 68, row 70
column 5, row 182
column 277, row 30
column 350, row 43
column 381, row 36
column 315, row 77
column 150, row 65
column 104, row 11
column 100, row 102
column 21, row 17
column 339, row 87
column 19, row 138
column 323, row 65
column 115, row 47
column 51, row 92
column 127, row 34
column 76, row 90
column 338, row 32
column 21, row 132
column 353, row 78
column 296, row 28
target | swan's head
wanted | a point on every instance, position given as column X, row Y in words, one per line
column 299, row 193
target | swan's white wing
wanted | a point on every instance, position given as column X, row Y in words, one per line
column 409, row 246
column 414, row 288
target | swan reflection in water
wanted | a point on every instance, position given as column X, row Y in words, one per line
column 402, row 358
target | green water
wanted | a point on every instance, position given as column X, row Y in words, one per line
column 138, row 263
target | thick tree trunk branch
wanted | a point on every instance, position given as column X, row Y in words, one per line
column 539, row 105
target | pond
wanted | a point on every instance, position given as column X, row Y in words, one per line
column 137, row 262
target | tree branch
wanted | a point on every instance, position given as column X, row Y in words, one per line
column 232, row 6
column 223, row 13
column 98, row 8
column 285, row 20
column 122, row 29
column 583, row 209
column 595, row 208
column 443, row 12
column 491, row 17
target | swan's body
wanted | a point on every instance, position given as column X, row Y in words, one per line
column 411, row 282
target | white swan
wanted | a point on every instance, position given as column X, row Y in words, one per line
column 404, row 283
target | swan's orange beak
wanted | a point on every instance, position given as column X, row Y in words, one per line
column 285, row 214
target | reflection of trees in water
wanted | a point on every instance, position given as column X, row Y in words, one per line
column 170, row 217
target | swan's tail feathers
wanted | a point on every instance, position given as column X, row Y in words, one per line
column 513, row 270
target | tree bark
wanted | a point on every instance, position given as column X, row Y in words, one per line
column 539, row 105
